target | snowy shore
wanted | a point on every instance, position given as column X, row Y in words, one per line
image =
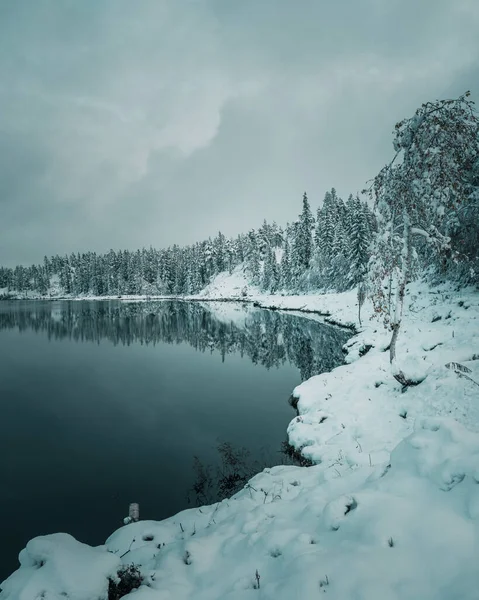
column 229, row 289
column 389, row 511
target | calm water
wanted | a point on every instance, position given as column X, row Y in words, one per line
column 105, row 403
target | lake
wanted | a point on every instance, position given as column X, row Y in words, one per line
column 106, row 403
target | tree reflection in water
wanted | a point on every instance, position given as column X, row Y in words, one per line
column 267, row 338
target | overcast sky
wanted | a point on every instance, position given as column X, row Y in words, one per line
column 129, row 123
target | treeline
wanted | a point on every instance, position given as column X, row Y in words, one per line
column 330, row 250
column 425, row 217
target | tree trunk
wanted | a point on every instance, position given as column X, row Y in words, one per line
column 392, row 344
column 361, row 299
column 396, row 325
column 400, row 294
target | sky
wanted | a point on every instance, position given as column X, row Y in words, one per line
column 125, row 124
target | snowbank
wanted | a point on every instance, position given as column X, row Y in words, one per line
column 358, row 413
column 408, row 530
column 386, row 532
column 337, row 308
column 391, row 510
column 57, row 566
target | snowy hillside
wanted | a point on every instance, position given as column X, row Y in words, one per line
column 390, row 510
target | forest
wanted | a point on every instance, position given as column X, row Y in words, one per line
column 420, row 214
column 329, row 251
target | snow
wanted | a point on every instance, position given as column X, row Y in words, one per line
column 57, row 566
column 408, row 531
column 226, row 285
column 340, row 308
column 389, row 511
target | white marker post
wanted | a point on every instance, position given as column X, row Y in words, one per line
column 134, row 512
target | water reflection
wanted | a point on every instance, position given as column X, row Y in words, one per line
column 120, row 417
column 268, row 338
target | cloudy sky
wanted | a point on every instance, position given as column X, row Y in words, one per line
column 125, row 123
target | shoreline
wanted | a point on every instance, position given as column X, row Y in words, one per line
column 385, row 461
column 256, row 301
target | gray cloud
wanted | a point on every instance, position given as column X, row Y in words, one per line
column 125, row 124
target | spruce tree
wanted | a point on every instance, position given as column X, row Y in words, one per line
column 253, row 264
column 359, row 239
column 267, row 270
column 219, row 254
column 285, row 267
column 305, row 235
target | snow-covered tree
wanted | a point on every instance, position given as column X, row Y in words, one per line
column 359, row 240
column 286, row 281
column 252, row 256
column 271, row 274
column 219, row 253
column 418, row 197
column 304, row 236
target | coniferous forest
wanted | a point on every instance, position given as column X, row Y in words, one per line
column 330, row 250
column 422, row 215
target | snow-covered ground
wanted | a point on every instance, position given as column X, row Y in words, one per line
column 389, row 512
column 336, row 308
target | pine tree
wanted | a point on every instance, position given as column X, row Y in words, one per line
column 66, row 276
column 325, row 228
column 359, row 239
column 209, row 260
column 253, row 265
column 318, row 230
column 304, row 234
column 267, row 271
column 168, row 275
column 338, row 264
column 219, row 254
column 181, row 275
column 295, row 257
column 285, row 267
column 264, row 239
column 43, row 281
column 275, row 273
column 230, row 252
column 113, row 272
column 239, row 249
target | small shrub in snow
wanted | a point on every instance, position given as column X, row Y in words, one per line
column 236, row 469
column 202, row 488
column 129, row 578
column 231, row 476
column 295, row 454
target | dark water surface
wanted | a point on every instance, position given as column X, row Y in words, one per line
column 105, row 403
